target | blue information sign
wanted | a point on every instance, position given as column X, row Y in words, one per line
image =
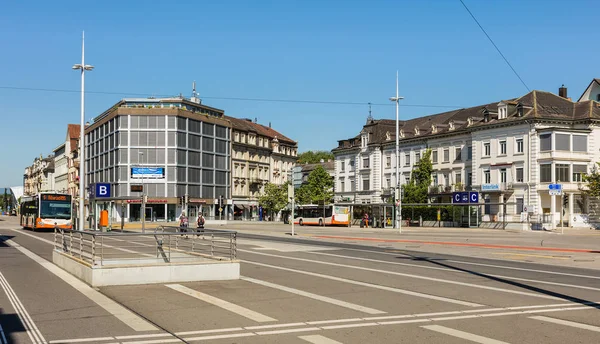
column 102, row 190
column 465, row 197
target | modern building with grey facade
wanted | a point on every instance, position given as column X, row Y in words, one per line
column 177, row 149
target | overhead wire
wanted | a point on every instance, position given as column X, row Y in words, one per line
column 303, row 101
column 495, row 46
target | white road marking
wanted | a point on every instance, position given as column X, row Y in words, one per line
column 456, row 271
column 291, row 330
column 463, row 335
column 80, row 340
column 231, row 329
column 409, row 275
column 567, row 323
column 335, row 327
column 32, row 331
column 375, row 286
column 321, row 322
column 524, row 269
column 2, row 337
column 136, row 336
column 118, row 311
column 245, row 312
column 318, row 339
column 222, row 336
column 282, row 246
column 154, row 341
column 264, row 327
column 315, row 296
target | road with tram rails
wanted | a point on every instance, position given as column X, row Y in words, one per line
column 324, row 288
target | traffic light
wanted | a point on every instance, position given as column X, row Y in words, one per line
column 565, row 200
column 186, row 200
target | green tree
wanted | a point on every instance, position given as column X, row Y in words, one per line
column 319, row 188
column 274, row 197
column 593, row 182
column 417, row 189
column 313, row 157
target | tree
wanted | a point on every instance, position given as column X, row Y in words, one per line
column 274, row 197
column 313, row 157
column 319, row 188
column 593, row 182
column 417, row 189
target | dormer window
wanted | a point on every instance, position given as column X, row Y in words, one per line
column 451, row 124
column 416, row 131
column 469, row 121
column 486, row 116
column 388, row 136
column 364, row 140
column 401, row 132
column 520, row 110
column 502, row 111
column 433, row 129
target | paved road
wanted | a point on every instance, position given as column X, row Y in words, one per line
column 298, row 290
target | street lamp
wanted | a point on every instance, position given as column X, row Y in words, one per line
column 143, row 209
column 398, row 205
column 83, row 68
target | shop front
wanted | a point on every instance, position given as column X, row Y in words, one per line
column 156, row 209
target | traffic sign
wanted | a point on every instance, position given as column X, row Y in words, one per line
column 456, row 198
column 474, row 197
column 465, row 197
column 555, row 189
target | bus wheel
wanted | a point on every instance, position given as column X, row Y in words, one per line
column 321, row 222
column 301, row 223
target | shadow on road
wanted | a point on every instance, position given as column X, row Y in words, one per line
column 9, row 324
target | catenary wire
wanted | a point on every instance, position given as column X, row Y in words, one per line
column 495, row 46
column 304, row 101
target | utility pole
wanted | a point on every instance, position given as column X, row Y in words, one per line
column 398, row 205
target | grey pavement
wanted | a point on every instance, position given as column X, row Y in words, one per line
column 308, row 289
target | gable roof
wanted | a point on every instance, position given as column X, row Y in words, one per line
column 259, row 129
column 595, row 81
column 73, row 135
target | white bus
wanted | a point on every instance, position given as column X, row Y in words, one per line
column 322, row 215
column 46, row 210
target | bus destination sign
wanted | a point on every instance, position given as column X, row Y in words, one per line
column 55, row 198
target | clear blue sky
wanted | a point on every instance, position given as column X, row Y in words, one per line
column 345, row 51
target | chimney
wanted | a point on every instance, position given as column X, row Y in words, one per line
column 562, row 92
column 269, row 124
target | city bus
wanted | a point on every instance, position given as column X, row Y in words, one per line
column 322, row 215
column 46, row 210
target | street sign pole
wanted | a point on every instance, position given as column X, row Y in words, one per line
column 562, row 200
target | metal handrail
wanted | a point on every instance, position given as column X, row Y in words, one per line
column 167, row 244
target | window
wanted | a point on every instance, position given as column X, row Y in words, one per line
column 545, row 142
column 388, row 182
column 342, row 186
column 342, row 166
column 502, row 175
column 469, row 153
column 502, row 112
column 351, row 162
column 561, row 172
column 519, row 144
column 365, row 185
column 366, row 162
column 469, row 178
column 446, row 155
column 407, row 159
column 487, row 178
column 578, row 172
column 579, row 204
column 435, row 179
column 388, row 161
column 520, row 203
column 503, row 147
column 417, row 157
column 519, row 173
column 545, row 173
column 458, row 178
column 434, row 157
column 487, row 149
column 579, row 143
column 458, row 153
column 563, row 142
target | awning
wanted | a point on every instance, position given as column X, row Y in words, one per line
column 240, row 206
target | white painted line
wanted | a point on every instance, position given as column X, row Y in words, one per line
column 231, row 329
column 81, row 340
column 245, row 312
column 456, row 271
column 375, row 286
column 155, row 341
column 567, row 323
column 292, row 330
column 136, row 336
column 318, row 339
column 334, row 327
column 2, row 337
column 118, row 311
column 222, row 336
column 321, row 322
column 315, row 296
column 408, row 275
column 523, row 269
column 32, row 331
column 462, row 335
column 458, row 317
column 411, row 321
column 264, row 327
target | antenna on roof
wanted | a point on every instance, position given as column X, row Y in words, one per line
column 370, row 118
column 195, row 96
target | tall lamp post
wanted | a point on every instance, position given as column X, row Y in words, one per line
column 143, row 207
column 83, row 68
column 398, row 205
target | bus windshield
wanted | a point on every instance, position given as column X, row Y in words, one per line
column 56, row 210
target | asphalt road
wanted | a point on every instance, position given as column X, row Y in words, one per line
column 297, row 290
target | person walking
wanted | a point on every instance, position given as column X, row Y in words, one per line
column 183, row 222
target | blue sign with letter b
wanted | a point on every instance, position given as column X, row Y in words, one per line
column 102, row 190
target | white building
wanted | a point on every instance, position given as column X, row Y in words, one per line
column 509, row 151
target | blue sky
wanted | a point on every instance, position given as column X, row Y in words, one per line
column 345, row 51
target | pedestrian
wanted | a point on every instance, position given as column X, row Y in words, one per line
column 183, row 222
column 200, row 221
column 366, row 220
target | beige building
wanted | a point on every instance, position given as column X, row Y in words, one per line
column 39, row 177
column 260, row 155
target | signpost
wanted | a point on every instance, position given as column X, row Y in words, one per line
column 556, row 190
